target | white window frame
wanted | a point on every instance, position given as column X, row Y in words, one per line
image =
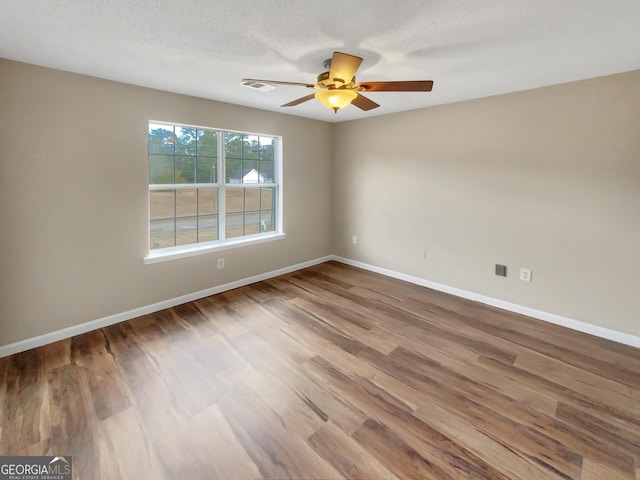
column 182, row 251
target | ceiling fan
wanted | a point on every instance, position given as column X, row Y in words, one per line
column 338, row 87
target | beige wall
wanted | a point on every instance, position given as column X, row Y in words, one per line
column 73, row 176
column 546, row 179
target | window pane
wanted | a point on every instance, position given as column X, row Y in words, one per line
column 234, row 225
column 250, row 172
column 186, row 230
column 185, row 141
column 267, row 220
column 267, row 148
column 185, row 169
column 244, row 214
column 233, row 171
column 267, row 198
column 233, row 145
column 162, row 233
column 265, row 169
column 161, row 204
column 251, row 147
column 161, row 139
column 207, row 228
column 251, row 223
column 235, row 200
column 207, row 201
column 252, row 216
column 242, row 153
column 238, row 175
column 251, row 199
column 206, row 170
column 160, row 169
column 186, row 203
column 207, row 143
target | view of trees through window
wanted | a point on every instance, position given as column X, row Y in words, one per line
column 208, row 185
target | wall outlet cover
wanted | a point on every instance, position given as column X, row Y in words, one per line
column 525, row 274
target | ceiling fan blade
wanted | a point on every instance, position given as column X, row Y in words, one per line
column 363, row 103
column 407, row 86
column 278, row 82
column 306, row 98
column 344, row 66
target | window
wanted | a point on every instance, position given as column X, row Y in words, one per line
column 209, row 188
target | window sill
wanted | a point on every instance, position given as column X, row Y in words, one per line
column 200, row 249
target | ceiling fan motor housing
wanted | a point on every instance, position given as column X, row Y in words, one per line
column 325, row 81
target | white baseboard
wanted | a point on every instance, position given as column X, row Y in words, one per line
column 47, row 338
column 578, row 325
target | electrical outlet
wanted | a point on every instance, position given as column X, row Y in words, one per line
column 354, row 240
column 422, row 252
column 220, row 263
column 501, row 270
column 525, row 274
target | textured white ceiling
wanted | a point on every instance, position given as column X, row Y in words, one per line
column 470, row 48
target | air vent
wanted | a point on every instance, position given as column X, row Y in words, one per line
column 263, row 87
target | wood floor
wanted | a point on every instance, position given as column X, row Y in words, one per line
column 327, row 373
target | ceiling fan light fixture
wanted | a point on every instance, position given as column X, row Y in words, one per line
column 336, row 99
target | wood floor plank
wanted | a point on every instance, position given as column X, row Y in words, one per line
column 75, row 428
column 165, row 423
column 190, row 314
column 594, row 471
column 395, row 453
column 224, row 454
column 130, row 451
column 347, row 416
column 110, row 393
column 54, row 355
column 185, row 378
column 298, row 416
column 612, row 353
column 328, row 372
column 445, row 353
column 577, row 358
column 262, row 357
column 587, row 443
column 220, row 316
column 606, row 432
column 4, row 381
column 293, row 314
column 514, row 463
column 614, row 414
column 26, row 393
column 347, row 322
column 346, row 455
column 602, row 389
column 275, row 451
column 431, row 445
column 558, row 458
column 122, row 342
